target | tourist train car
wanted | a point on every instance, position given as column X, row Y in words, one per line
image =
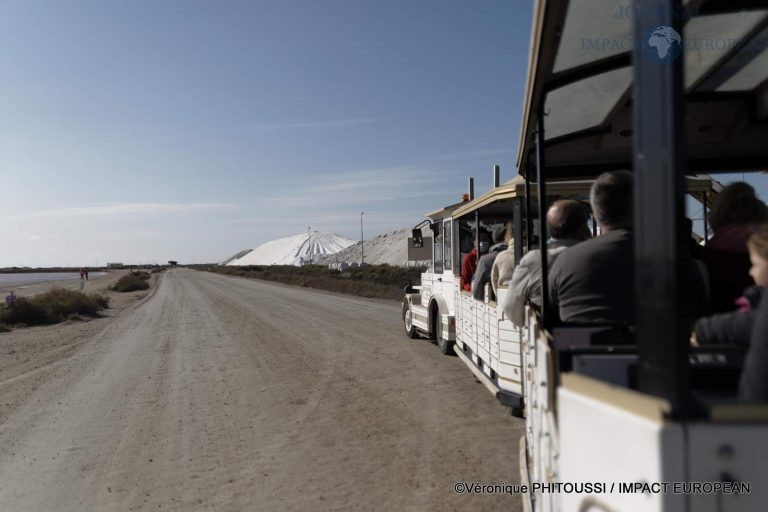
column 641, row 405
column 630, row 407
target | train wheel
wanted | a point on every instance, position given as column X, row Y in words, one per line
column 410, row 330
column 443, row 345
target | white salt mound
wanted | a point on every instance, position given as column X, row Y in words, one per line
column 295, row 250
column 235, row 257
column 390, row 248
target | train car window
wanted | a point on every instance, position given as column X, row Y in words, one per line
column 447, row 252
column 437, row 260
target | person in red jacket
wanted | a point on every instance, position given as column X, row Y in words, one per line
column 469, row 263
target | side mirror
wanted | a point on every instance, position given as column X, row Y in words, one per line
column 418, row 241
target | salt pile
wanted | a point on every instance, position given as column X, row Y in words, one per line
column 295, row 250
column 390, row 248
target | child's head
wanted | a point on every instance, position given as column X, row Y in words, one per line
column 758, row 255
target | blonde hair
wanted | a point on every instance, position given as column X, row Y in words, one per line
column 510, row 227
column 758, row 242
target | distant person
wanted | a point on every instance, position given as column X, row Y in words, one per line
column 82, row 273
column 485, row 263
column 10, row 299
column 504, row 264
column 86, row 273
column 736, row 327
column 735, row 214
column 567, row 223
column 594, row 280
column 469, row 263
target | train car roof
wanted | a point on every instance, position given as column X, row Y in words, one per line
column 695, row 185
column 444, row 212
column 580, row 66
column 516, row 188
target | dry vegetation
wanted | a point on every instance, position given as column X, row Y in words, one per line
column 132, row 282
column 378, row 281
column 51, row 307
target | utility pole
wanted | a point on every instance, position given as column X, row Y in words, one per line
column 309, row 246
column 362, row 255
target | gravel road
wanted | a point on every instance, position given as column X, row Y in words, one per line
column 221, row 393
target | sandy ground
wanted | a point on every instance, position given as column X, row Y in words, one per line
column 219, row 393
column 29, row 357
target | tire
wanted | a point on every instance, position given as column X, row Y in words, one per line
column 410, row 330
column 444, row 346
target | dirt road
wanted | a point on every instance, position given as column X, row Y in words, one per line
column 219, row 393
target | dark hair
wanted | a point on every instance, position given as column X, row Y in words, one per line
column 611, row 198
column 498, row 234
column 737, row 203
column 570, row 222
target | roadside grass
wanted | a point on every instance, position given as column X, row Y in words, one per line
column 372, row 281
column 54, row 306
column 132, row 282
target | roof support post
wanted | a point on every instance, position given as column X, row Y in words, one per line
column 517, row 215
column 542, row 189
column 658, row 110
column 477, row 234
column 528, row 217
column 704, row 208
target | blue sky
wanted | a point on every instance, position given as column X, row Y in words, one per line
column 156, row 130
column 143, row 131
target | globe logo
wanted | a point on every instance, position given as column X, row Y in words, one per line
column 663, row 44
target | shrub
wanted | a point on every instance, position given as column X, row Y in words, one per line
column 53, row 306
column 132, row 282
column 101, row 300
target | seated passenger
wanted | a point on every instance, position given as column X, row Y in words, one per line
column 735, row 215
column 736, row 327
column 594, row 280
column 469, row 263
column 485, row 263
column 695, row 256
column 753, row 386
column 567, row 226
column 504, row 264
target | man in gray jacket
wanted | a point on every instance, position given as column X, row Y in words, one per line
column 567, row 225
